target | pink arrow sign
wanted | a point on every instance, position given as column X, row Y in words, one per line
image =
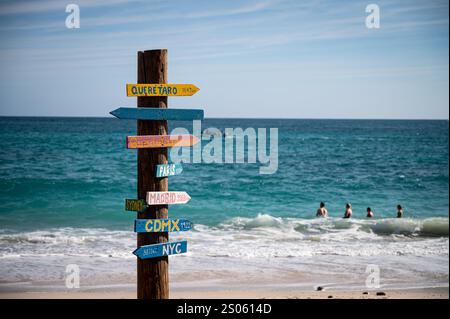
column 166, row 198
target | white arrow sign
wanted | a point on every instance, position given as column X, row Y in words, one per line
column 166, row 198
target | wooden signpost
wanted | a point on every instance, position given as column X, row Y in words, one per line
column 152, row 141
column 167, row 198
column 161, row 225
column 161, row 250
column 161, row 89
column 165, row 170
column 129, row 113
column 158, row 141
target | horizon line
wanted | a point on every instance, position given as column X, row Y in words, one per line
column 238, row 118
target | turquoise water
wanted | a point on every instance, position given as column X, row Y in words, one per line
column 63, row 182
column 76, row 172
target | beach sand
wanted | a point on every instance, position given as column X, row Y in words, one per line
column 421, row 293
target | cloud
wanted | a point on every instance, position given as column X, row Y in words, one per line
column 26, row 7
column 254, row 7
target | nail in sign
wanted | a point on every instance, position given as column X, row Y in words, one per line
column 167, row 198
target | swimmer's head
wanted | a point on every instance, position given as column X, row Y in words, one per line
column 322, row 204
column 399, row 207
column 348, row 205
column 369, row 209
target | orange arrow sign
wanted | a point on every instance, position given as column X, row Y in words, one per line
column 157, row 141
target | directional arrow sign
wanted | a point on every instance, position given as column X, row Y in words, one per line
column 145, row 113
column 157, row 141
column 159, row 250
column 161, row 225
column 135, row 205
column 165, row 170
column 161, row 89
column 166, row 198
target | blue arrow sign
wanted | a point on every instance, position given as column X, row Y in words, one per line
column 161, row 225
column 145, row 113
column 165, row 170
column 159, row 250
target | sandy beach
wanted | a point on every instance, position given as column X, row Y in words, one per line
column 267, row 150
column 422, row 293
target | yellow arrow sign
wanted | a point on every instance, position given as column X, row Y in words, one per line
column 161, row 89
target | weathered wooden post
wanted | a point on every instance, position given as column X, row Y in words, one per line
column 153, row 273
column 152, row 225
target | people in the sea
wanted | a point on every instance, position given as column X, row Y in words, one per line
column 348, row 210
column 322, row 211
column 399, row 211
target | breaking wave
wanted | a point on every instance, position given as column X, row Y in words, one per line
column 429, row 227
column 262, row 236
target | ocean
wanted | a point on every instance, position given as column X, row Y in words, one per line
column 63, row 182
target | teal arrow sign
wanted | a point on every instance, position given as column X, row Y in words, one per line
column 165, row 170
column 145, row 113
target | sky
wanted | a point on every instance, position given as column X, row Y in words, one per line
column 250, row 59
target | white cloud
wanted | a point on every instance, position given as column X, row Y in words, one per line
column 24, row 7
column 250, row 8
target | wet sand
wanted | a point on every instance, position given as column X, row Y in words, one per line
column 421, row 293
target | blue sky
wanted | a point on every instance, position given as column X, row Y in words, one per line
column 255, row 58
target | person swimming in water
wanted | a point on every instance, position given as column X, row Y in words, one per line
column 322, row 211
column 370, row 213
column 399, row 211
column 348, row 210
